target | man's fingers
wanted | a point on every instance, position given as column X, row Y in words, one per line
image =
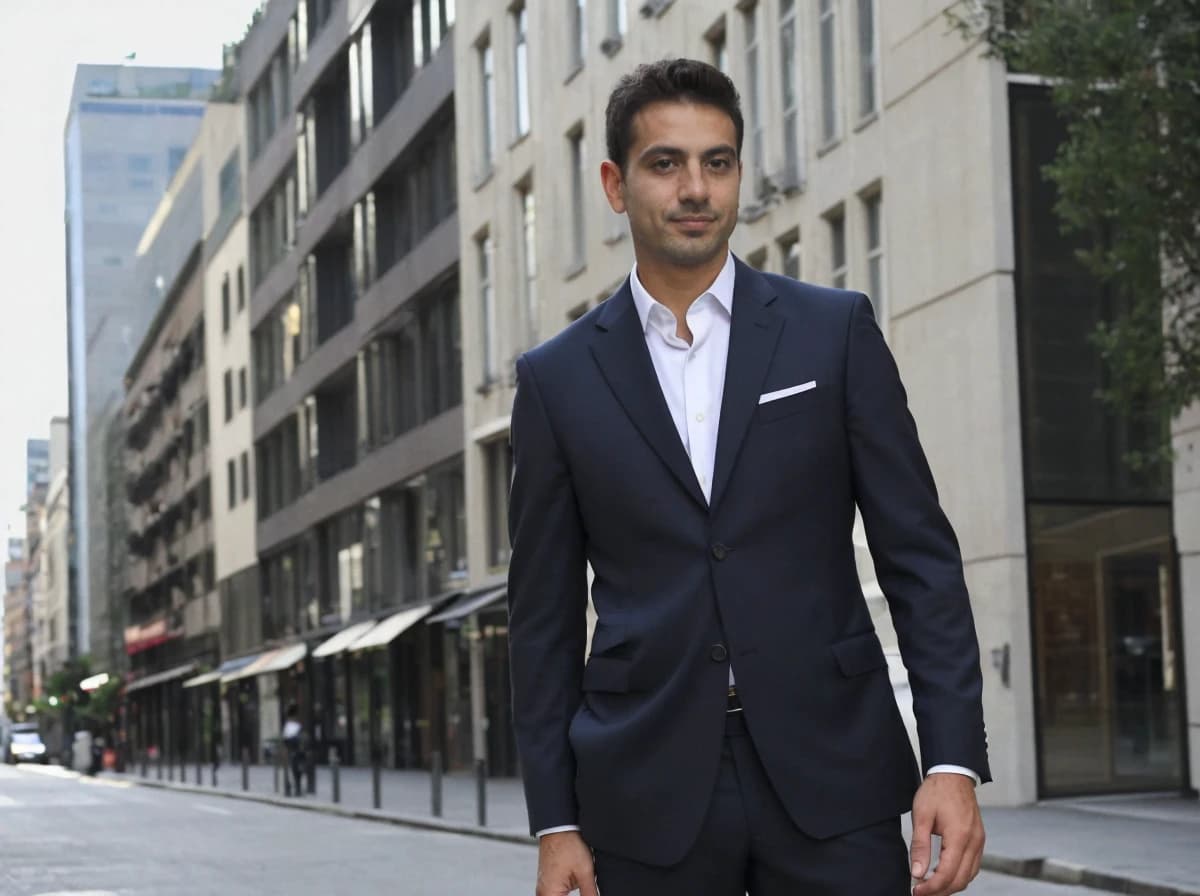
column 922, row 830
column 949, row 863
column 587, row 885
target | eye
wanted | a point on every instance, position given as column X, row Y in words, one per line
column 663, row 164
column 720, row 163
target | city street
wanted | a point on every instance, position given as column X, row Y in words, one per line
column 61, row 835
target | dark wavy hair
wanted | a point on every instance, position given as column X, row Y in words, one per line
column 671, row 80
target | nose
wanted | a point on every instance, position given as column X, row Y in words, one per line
column 693, row 187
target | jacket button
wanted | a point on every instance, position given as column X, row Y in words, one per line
column 718, row 654
column 719, row 551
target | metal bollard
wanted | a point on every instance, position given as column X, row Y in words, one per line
column 170, row 769
column 199, row 770
column 276, row 781
column 143, row 763
column 214, row 774
column 481, row 790
column 376, row 797
column 245, row 768
column 435, row 784
column 311, row 768
column 335, row 766
column 158, row 764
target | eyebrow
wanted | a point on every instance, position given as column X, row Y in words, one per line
column 660, row 149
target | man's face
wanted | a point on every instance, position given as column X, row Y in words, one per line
column 680, row 184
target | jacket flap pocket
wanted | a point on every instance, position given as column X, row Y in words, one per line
column 860, row 654
column 606, row 673
column 782, row 407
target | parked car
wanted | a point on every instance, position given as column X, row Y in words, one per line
column 25, row 745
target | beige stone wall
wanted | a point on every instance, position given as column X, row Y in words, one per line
column 233, row 528
column 936, row 150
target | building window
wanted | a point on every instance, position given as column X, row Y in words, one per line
column 228, row 395
column 718, row 52
column 828, row 37
column 498, row 461
column 488, row 113
column 578, row 201
column 867, row 57
column 789, row 252
column 245, row 475
column 577, row 19
column 790, row 91
column 618, row 20
column 837, row 248
column 225, row 304
column 529, row 262
column 754, row 84
column 242, row 388
column 873, row 206
column 231, row 477
column 521, row 69
column 487, row 308
column 241, row 287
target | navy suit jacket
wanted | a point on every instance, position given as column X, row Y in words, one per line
column 627, row 746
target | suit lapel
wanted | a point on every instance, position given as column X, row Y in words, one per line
column 621, row 352
column 753, row 336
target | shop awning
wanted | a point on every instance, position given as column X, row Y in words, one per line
column 391, row 628
column 245, row 669
column 160, row 677
column 227, row 667
column 468, row 604
column 203, row 678
column 342, row 639
column 282, row 659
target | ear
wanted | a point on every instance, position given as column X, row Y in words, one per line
column 611, row 180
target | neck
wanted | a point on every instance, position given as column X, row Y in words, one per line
column 678, row 286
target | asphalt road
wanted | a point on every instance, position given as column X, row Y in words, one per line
column 65, row 836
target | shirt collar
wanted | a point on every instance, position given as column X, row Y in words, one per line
column 721, row 290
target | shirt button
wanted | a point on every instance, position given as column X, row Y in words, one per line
column 699, row 418
column 719, row 551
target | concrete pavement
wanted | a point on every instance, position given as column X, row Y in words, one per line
column 1148, row 845
column 65, row 835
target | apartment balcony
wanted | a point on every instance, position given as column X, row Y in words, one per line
column 198, row 540
column 197, row 467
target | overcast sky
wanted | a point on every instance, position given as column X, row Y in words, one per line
column 41, row 42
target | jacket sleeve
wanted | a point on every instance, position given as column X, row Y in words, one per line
column 547, row 605
column 916, row 554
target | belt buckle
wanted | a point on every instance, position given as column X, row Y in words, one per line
column 733, row 701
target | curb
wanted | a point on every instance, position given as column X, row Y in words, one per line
column 1050, row 870
column 419, row 822
column 1059, row 872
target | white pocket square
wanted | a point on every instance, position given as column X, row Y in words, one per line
column 784, row 393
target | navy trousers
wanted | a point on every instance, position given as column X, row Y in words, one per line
column 749, row 844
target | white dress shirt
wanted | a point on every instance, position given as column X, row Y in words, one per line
column 692, row 378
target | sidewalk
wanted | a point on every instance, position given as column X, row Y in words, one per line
column 1146, row 844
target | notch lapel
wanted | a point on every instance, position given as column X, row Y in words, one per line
column 753, row 336
column 624, row 359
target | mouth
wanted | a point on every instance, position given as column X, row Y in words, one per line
column 693, row 223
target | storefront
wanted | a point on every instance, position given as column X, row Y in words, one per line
column 1105, row 591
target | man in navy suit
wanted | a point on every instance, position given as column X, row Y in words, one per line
column 702, row 439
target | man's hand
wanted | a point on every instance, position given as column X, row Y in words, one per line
column 565, row 865
column 946, row 805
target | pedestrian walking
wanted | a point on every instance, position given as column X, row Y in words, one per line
column 292, row 737
column 702, row 439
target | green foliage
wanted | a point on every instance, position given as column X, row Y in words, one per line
column 1125, row 79
column 94, row 711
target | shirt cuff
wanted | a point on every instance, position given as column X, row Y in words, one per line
column 557, row 830
column 954, row 769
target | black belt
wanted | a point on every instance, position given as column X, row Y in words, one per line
column 735, row 702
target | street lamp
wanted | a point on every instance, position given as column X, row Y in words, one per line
column 54, row 701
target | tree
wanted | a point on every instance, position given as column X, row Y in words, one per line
column 1124, row 77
